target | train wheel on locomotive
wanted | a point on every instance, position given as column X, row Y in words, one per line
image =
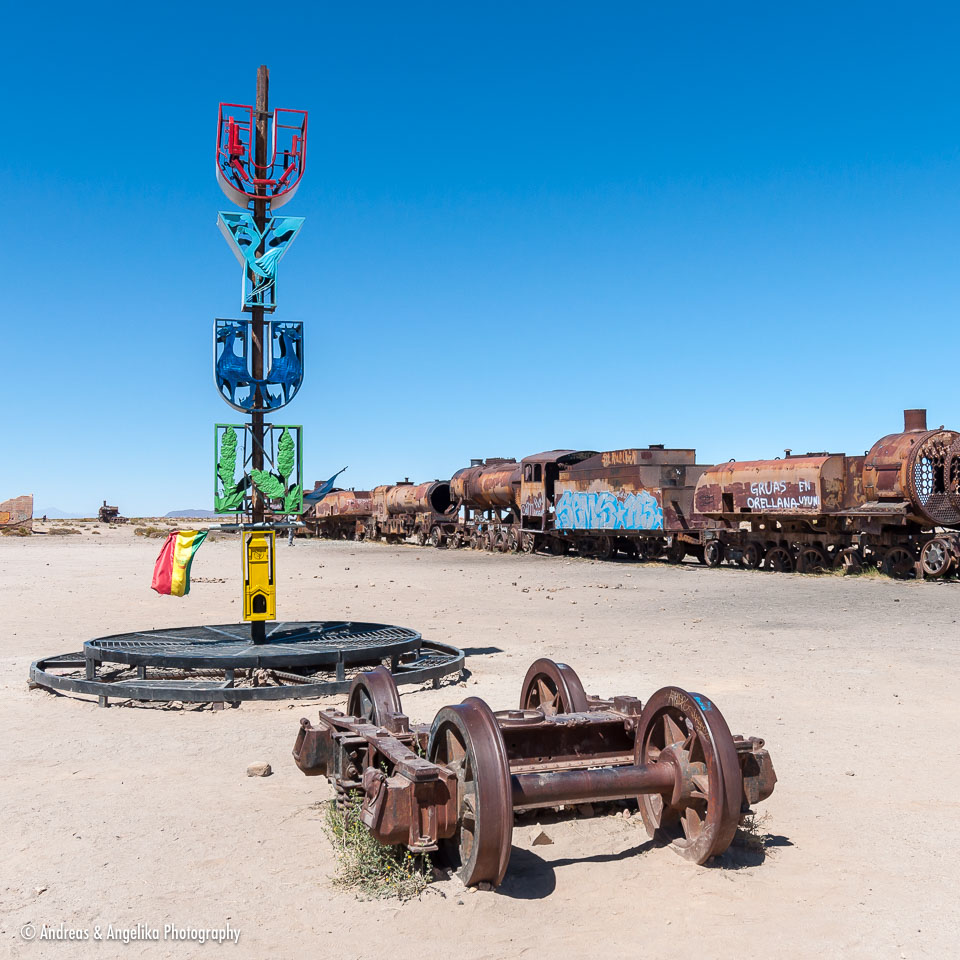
column 466, row 739
column 713, row 553
column 553, row 688
column 373, row 696
column 557, row 546
column 503, row 541
column 936, row 557
column 811, row 559
column 699, row 819
column 847, row 559
column 513, row 541
column 752, row 555
column 778, row 559
column 528, row 543
column 675, row 552
column 899, row 563
column 437, row 538
column 605, row 548
column 651, row 548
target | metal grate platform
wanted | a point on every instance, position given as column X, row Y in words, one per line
column 220, row 663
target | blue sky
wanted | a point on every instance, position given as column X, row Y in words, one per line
column 531, row 225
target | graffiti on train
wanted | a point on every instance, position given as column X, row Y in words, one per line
column 606, row 511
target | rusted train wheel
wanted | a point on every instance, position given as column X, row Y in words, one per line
column 811, row 560
column 752, row 555
column 467, row 740
column 936, row 558
column 849, row 560
column 713, row 553
column 899, row 563
column 373, row 696
column 553, row 688
column 528, row 543
column 699, row 819
column 779, row 560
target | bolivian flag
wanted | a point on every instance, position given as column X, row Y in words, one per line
column 172, row 573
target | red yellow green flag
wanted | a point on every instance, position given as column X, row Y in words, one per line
column 171, row 574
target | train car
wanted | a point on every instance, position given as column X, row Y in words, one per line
column 897, row 507
column 635, row 501
column 424, row 511
column 341, row 515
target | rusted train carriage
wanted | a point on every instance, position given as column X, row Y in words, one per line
column 341, row 515
column 896, row 507
column 424, row 511
column 636, row 501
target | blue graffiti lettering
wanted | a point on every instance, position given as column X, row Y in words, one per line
column 606, row 511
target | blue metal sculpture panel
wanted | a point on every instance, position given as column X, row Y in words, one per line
column 259, row 281
column 282, row 362
column 576, row 510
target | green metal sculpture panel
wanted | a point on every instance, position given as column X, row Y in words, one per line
column 280, row 484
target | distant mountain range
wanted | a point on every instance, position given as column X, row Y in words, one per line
column 55, row 513
column 189, row 514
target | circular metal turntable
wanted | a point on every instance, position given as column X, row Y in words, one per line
column 221, row 664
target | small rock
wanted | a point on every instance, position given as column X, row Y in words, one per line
column 39, row 890
column 486, row 887
column 540, row 838
column 585, row 810
column 259, row 769
column 849, row 773
column 471, row 889
column 627, row 814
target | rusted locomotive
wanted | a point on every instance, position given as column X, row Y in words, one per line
column 341, row 515
column 393, row 512
column 896, row 507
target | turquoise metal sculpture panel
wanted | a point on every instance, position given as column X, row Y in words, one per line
column 240, row 178
column 282, row 362
column 280, row 483
column 259, row 281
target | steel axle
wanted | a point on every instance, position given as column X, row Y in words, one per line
column 453, row 786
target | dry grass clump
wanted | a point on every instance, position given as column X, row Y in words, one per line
column 152, row 533
column 366, row 865
column 752, row 833
column 63, row 531
column 16, row 531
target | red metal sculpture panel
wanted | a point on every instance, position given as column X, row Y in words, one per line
column 240, row 178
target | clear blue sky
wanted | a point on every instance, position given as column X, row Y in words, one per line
column 729, row 226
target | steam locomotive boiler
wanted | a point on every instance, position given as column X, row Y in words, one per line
column 896, row 507
column 488, row 494
column 424, row 511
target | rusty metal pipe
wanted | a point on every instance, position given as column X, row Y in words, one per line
column 604, row 783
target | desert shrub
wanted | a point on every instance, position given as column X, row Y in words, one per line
column 366, row 865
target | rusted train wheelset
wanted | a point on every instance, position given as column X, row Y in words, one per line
column 452, row 787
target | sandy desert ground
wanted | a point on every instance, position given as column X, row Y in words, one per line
column 130, row 815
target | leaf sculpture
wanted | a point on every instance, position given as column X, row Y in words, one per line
column 285, row 455
column 267, row 484
column 232, row 498
column 293, row 500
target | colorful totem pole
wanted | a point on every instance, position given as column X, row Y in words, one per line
column 258, row 363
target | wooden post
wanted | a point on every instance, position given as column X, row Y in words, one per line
column 257, row 627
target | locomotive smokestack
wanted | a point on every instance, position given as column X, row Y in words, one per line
column 914, row 420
